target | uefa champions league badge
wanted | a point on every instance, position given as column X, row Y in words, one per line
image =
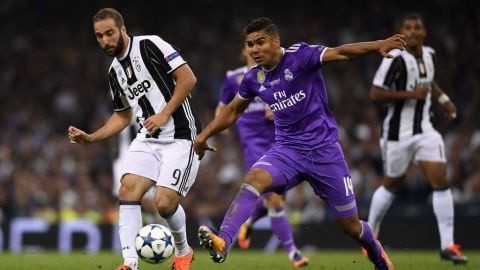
column 288, row 74
column 260, row 76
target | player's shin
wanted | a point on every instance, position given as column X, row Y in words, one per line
column 443, row 209
column 381, row 201
column 259, row 212
column 368, row 241
column 176, row 224
column 240, row 209
column 129, row 223
column 282, row 228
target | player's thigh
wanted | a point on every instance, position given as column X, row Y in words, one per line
column 396, row 156
column 275, row 171
column 435, row 173
column 330, row 179
column 179, row 166
column 133, row 187
column 141, row 160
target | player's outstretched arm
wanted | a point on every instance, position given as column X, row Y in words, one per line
column 185, row 80
column 115, row 124
column 227, row 116
column 350, row 51
column 444, row 100
column 379, row 94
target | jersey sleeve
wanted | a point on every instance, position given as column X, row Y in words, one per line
column 229, row 91
column 310, row 56
column 389, row 73
column 245, row 91
column 120, row 102
column 171, row 55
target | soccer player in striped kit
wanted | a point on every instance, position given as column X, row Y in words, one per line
column 407, row 83
column 150, row 81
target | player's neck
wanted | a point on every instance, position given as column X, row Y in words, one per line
column 415, row 51
column 126, row 47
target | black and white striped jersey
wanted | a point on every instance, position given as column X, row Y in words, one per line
column 405, row 72
column 142, row 79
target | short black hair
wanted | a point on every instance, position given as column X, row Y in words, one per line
column 109, row 13
column 261, row 24
column 413, row 16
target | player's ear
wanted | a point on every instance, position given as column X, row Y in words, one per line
column 123, row 30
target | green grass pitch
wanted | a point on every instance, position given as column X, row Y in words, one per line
column 238, row 260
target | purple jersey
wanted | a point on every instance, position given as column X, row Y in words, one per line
column 256, row 132
column 295, row 91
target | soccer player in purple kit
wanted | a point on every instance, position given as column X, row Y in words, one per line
column 256, row 132
column 306, row 138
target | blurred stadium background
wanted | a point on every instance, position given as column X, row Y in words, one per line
column 54, row 75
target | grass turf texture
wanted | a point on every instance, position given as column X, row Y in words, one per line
column 238, row 260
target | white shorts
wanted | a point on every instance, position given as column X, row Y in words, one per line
column 397, row 155
column 117, row 177
column 172, row 165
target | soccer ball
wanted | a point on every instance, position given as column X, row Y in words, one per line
column 154, row 243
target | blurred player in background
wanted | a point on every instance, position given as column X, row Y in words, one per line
column 257, row 135
column 148, row 79
column 407, row 83
column 306, row 137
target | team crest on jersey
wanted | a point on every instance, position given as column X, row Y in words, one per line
column 137, row 64
column 288, row 74
column 120, row 75
column 260, row 76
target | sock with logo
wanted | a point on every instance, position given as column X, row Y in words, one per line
column 129, row 223
column 238, row 212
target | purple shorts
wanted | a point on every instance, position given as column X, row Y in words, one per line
column 324, row 169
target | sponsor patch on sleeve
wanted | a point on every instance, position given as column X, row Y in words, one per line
column 172, row 56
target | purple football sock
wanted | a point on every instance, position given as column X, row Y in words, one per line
column 240, row 209
column 282, row 229
column 368, row 242
column 260, row 210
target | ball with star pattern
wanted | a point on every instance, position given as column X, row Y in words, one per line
column 154, row 243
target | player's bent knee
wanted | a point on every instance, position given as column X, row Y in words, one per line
column 259, row 179
column 166, row 202
column 275, row 201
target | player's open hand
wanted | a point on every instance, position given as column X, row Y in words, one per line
column 79, row 136
column 394, row 42
column 200, row 146
column 154, row 122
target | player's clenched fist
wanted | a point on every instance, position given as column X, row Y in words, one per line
column 76, row 135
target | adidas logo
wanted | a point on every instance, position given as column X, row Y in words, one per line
column 262, row 88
